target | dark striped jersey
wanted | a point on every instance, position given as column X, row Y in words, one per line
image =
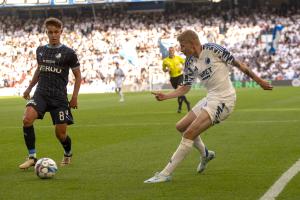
column 212, row 69
column 54, row 64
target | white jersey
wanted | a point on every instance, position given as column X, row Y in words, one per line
column 119, row 76
column 212, row 69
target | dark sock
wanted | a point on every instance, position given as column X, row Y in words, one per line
column 206, row 152
column 67, row 145
column 29, row 137
column 180, row 100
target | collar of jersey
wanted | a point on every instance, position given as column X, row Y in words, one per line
column 54, row 47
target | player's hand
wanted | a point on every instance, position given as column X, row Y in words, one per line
column 265, row 85
column 159, row 96
column 73, row 103
column 26, row 94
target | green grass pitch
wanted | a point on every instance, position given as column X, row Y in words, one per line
column 117, row 146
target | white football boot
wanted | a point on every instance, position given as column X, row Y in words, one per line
column 158, row 178
column 204, row 161
column 66, row 160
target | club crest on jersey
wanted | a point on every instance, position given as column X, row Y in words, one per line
column 207, row 60
column 58, row 56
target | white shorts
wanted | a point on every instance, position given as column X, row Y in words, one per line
column 119, row 83
column 218, row 110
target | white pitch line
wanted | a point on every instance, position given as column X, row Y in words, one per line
column 279, row 185
column 156, row 123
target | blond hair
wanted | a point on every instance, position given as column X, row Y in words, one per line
column 188, row 36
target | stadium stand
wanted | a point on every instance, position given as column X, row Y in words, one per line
column 114, row 35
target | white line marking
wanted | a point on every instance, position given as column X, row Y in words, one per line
column 156, row 123
column 279, row 185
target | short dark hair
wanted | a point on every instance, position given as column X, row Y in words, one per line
column 54, row 22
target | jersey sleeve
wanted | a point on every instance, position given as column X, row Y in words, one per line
column 220, row 51
column 165, row 64
column 38, row 55
column 189, row 72
column 73, row 61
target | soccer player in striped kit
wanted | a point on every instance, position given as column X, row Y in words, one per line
column 210, row 63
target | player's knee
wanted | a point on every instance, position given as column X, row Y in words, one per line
column 61, row 135
column 180, row 127
column 27, row 121
column 191, row 133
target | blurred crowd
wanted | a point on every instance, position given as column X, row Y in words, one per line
column 100, row 42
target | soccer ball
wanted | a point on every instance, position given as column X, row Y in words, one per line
column 45, row 168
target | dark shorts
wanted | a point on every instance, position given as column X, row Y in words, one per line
column 176, row 81
column 58, row 108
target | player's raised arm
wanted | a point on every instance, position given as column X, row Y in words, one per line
column 35, row 78
column 246, row 70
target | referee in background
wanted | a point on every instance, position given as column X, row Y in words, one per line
column 173, row 65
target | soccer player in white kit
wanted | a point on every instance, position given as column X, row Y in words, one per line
column 210, row 63
column 119, row 78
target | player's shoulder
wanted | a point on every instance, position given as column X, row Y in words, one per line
column 67, row 49
column 166, row 59
column 189, row 61
column 213, row 47
column 41, row 47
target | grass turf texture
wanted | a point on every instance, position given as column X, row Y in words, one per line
column 117, row 146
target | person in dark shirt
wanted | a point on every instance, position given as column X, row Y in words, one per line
column 51, row 76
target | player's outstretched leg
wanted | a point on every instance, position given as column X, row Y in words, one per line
column 158, row 178
column 204, row 161
column 165, row 175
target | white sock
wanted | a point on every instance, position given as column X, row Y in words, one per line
column 199, row 145
column 32, row 155
column 183, row 149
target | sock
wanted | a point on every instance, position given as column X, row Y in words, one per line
column 183, row 149
column 29, row 137
column 67, row 146
column 199, row 145
column 206, row 152
column 180, row 100
column 187, row 103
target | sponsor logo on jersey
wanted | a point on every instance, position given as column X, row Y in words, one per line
column 58, row 56
column 207, row 60
column 44, row 68
column 205, row 74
